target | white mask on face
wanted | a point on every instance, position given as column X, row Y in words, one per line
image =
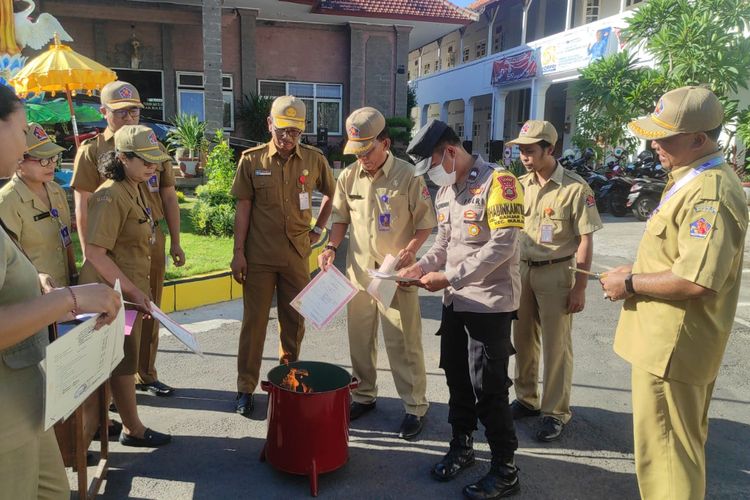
column 439, row 176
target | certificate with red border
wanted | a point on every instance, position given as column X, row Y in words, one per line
column 322, row 299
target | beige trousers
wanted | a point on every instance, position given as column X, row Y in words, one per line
column 34, row 471
column 670, row 428
column 544, row 325
column 402, row 335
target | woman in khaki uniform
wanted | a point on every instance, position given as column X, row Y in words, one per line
column 120, row 233
column 30, row 461
column 34, row 208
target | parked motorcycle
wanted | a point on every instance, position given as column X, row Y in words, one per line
column 644, row 197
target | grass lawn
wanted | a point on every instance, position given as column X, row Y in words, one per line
column 203, row 254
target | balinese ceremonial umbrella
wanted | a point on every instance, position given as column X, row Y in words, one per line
column 61, row 69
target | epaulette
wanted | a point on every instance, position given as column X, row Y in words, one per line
column 498, row 167
column 710, row 188
column 575, row 176
column 255, row 148
column 313, row 148
column 90, row 140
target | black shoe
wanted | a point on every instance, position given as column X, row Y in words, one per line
column 550, row 429
column 501, row 481
column 411, row 426
column 356, row 410
column 459, row 457
column 150, row 439
column 244, row 405
column 520, row 410
column 112, row 407
column 113, row 430
column 156, row 388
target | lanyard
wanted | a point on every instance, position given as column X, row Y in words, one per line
column 695, row 172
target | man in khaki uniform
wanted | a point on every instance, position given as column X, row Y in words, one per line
column 560, row 219
column 272, row 236
column 121, row 105
column 390, row 212
column 681, row 293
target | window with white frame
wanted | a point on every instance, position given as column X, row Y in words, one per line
column 451, row 57
column 630, row 3
column 191, row 96
column 475, row 130
column 322, row 100
column 498, row 40
column 592, row 11
column 459, row 130
column 426, row 70
column 466, row 55
column 481, row 49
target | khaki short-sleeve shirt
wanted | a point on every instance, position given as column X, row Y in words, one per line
column 280, row 192
column 21, row 378
column 119, row 222
column 86, row 176
column 699, row 235
column 35, row 226
column 383, row 211
column 556, row 215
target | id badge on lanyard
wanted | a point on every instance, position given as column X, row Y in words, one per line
column 64, row 231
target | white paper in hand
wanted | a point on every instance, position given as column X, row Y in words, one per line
column 383, row 290
column 177, row 330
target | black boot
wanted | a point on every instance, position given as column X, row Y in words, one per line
column 459, row 457
column 501, row 481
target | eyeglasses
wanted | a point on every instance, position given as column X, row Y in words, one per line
column 44, row 162
column 291, row 132
column 123, row 113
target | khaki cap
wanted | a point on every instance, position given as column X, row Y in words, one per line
column 362, row 127
column 38, row 143
column 681, row 111
column 120, row 95
column 140, row 140
column 288, row 111
column 534, row 131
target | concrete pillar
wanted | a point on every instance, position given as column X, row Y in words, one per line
column 356, row 66
column 622, row 6
column 402, row 79
column 100, row 42
column 498, row 114
column 423, row 115
column 248, row 77
column 212, row 64
column 170, row 98
column 468, row 119
column 569, row 15
column 538, row 98
column 444, row 112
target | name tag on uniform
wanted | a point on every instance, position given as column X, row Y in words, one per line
column 546, row 233
column 262, row 172
column 65, row 236
column 41, row 216
column 384, row 222
column 304, row 201
column 153, row 183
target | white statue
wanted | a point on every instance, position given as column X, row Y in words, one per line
column 36, row 34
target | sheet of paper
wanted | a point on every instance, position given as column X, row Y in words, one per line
column 177, row 330
column 384, row 290
column 77, row 363
column 130, row 317
column 324, row 297
column 390, row 276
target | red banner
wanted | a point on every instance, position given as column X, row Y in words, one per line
column 518, row 67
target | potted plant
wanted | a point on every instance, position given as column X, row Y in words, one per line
column 186, row 139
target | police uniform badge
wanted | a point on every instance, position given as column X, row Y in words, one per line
column 508, row 184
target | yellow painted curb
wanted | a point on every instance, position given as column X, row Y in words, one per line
column 197, row 291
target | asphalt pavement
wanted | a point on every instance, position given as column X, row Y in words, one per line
column 215, row 452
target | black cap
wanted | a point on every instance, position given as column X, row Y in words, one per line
column 423, row 144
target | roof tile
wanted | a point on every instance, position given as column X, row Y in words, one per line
column 435, row 9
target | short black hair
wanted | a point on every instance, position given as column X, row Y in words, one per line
column 544, row 144
column 111, row 167
column 384, row 134
column 9, row 102
column 714, row 134
column 448, row 138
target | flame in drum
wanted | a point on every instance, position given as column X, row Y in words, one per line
column 293, row 382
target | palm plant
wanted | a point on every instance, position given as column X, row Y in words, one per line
column 188, row 133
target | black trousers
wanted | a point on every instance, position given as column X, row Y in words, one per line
column 474, row 352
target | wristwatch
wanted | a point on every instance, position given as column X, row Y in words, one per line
column 629, row 284
column 317, row 230
column 330, row 247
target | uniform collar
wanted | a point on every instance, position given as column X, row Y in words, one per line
column 556, row 177
column 273, row 151
column 108, row 134
column 26, row 194
column 680, row 172
column 386, row 168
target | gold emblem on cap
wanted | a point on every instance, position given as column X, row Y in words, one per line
column 305, row 172
column 290, row 112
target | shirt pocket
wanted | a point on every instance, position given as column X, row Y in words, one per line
column 397, row 205
column 559, row 218
column 265, row 190
column 474, row 229
column 656, row 231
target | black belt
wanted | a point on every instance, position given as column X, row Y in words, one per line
column 537, row 263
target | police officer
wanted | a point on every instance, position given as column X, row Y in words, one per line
column 121, row 105
column 121, row 232
column 390, row 213
column 35, row 209
column 480, row 213
column 681, row 293
column 272, row 236
column 560, row 219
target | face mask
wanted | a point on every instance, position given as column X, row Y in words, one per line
column 439, row 176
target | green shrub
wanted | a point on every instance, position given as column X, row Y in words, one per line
column 220, row 165
column 180, row 197
column 213, row 220
column 214, row 195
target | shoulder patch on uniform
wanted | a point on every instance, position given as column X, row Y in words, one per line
column 505, row 202
column 425, row 193
column 590, row 200
column 700, row 228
